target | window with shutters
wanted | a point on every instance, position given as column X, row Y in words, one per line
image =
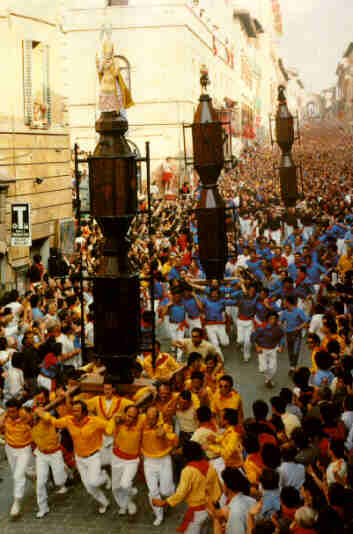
column 37, row 99
column 125, row 71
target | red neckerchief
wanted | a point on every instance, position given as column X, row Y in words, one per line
column 161, row 360
column 289, row 512
column 209, row 425
column 105, row 415
column 201, row 465
column 256, row 458
column 82, row 423
column 230, row 394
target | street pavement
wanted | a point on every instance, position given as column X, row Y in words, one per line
column 76, row 512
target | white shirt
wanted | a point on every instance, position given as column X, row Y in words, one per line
column 316, row 325
column 14, row 383
column 347, row 418
column 242, row 261
column 239, row 508
column 16, row 308
column 4, row 355
column 291, row 474
column 342, row 473
column 290, row 258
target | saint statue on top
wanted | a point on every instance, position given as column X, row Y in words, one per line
column 113, row 95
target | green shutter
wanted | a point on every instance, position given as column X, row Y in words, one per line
column 27, row 81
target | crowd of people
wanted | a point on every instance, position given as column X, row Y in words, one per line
column 181, row 430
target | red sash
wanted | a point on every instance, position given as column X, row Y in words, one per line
column 105, row 415
column 124, row 455
column 202, row 466
column 182, row 325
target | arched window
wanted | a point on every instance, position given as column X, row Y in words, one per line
column 125, row 71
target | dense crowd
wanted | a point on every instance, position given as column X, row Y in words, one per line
column 285, row 467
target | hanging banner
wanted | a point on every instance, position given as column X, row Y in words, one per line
column 21, row 232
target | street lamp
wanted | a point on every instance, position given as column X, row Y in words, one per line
column 113, row 191
column 285, row 137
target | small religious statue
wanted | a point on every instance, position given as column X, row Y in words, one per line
column 39, row 118
column 113, row 95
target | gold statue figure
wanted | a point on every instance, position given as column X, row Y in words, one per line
column 113, row 95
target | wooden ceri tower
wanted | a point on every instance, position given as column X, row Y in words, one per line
column 208, row 149
column 113, row 186
column 285, row 138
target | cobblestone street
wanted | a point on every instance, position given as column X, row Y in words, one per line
column 77, row 512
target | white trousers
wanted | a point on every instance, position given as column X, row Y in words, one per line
column 196, row 525
column 245, row 329
column 193, row 323
column 233, row 311
column 177, row 334
column 107, row 450
column 217, row 336
column 93, row 476
column 123, row 474
column 268, row 362
column 45, row 462
column 159, row 480
column 275, row 235
column 19, row 460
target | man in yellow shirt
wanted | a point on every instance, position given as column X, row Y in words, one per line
column 87, row 436
column 158, row 440
column 228, row 445
column 127, row 432
column 166, row 401
column 106, row 407
column 165, row 365
column 198, row 485
column 18, row 450
column 345, row 263
column 227, row 397
column 48, row 455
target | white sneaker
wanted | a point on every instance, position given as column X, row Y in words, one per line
column 131, row 508
column 103, row 508
column 133, row 490
column 122, row 511
column 62, row 490
column 42, row 513
column 158, row 521
column 15, row 508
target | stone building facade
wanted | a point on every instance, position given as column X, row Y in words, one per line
column 35, row 156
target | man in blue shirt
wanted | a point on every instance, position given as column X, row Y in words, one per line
column 313, row 272
column 192, row 309
column 177, row 319
column 245, row 322
column 268, row 341
column 294, row 320
column 214, row 308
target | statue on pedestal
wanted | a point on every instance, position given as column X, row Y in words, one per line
column 113, row 95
